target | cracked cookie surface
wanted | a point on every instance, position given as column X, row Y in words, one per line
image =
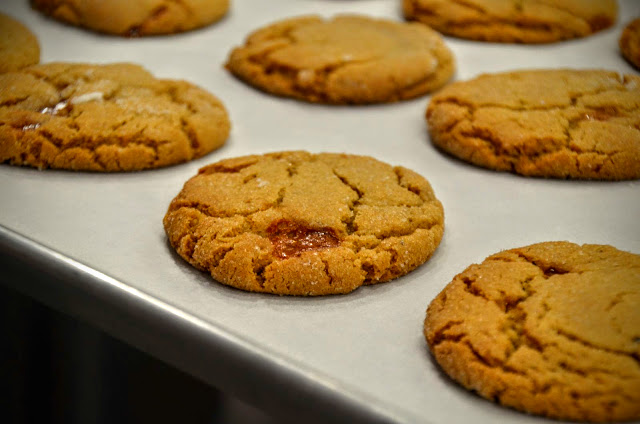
column 344, row 60
column 115, row 117
column 296, row 223
column 582, row 124
column 19, row 47
column 551, row 329
column 514, row 21
column 629, row 42
column 135, row 18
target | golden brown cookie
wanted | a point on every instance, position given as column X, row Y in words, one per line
column 297, row 223
column 551, row 329
column 545, row 123
column 18, row 46
column 344, row 60
column 135, row 18
column 514, row 21
column 105, row 118
column 630, row 42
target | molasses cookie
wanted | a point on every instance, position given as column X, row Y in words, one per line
column 19, row 48
column 630, row 42
column 114, row 117
column 296, row 223
column 545, row 123
column 135, row 18
column 344, row 60
column 552, row 329
column 514, row 21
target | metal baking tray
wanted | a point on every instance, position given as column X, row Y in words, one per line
column 93, row 245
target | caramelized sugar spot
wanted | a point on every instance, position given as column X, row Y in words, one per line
column 290, row 238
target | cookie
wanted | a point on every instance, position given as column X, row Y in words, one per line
column 514, row 21
column 296, row 223
column 552, row 329
column 545, row 123
column 19, row 48
column 135, row 18
column 114, row 117
column 630, row 42
column 344, row 60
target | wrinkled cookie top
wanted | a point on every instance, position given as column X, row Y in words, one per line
column 345, row 59
column 291, row 206
column 135, row 18
column 552, row 328
column 552, row 123
column 523, row 21
column 51, row 113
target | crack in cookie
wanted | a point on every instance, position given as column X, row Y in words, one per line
column 162, row 12
column 550, row 329
column 305, row 224
column 547, row 123
column 105, row 118
column 318, row 60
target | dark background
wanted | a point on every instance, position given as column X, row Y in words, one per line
column 56, row 369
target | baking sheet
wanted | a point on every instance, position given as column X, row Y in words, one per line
column 367, row 345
